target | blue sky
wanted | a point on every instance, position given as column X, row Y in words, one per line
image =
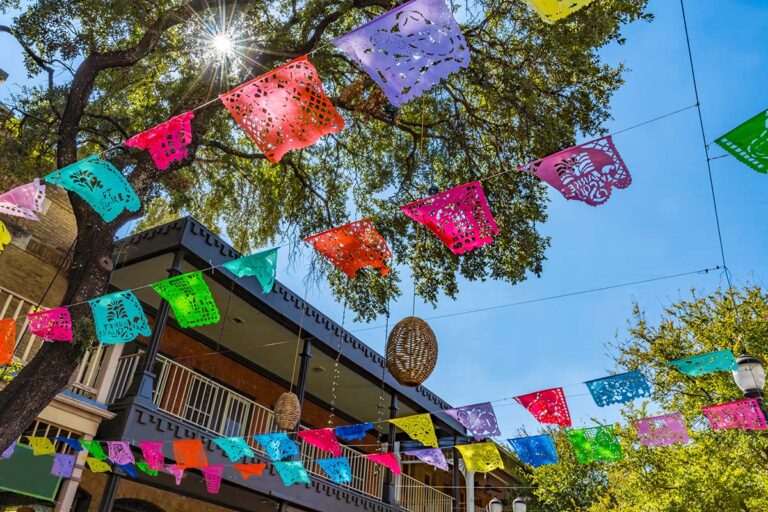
column 662, row 224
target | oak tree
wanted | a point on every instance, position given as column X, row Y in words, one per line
column 124, row 66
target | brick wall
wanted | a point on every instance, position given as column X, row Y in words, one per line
column 197, row 356
column 29, row 271
column 93, row 484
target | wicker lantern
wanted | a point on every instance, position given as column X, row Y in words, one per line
column 287, row 411
column 411, row 351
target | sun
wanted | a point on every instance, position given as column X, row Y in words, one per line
column 222, row 44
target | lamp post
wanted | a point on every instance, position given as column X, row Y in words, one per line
column 495, row 505
column 750, row 376
column 519, row 505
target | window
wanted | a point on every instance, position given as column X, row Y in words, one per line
column 42, row 429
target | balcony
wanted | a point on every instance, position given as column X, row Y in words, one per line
column 219, row 411
column 27, row 344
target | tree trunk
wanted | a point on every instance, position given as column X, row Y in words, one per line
column 53, row 367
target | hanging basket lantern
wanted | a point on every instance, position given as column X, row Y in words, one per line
column 411, row 351
column 287, row 411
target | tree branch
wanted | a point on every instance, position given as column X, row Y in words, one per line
column 232, row 151
column 41, row 63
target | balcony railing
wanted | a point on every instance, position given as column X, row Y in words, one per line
column 197, row 399
column 414, row 496
column 27, row 344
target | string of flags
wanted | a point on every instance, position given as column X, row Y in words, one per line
column 599, row 443
column 406, row 51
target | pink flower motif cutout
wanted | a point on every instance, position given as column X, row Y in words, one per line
column 120, row 453
column 24, row 201
column 212, row 476
column 323, row 438
column 166, row 142
column 460, row 217
column 588, row 172
column 662, row 430
column 51, row 324
column 742, row 414
column 153, row 454
column 386, row 459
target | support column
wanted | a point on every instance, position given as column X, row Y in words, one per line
column 301, row 385
column 455, row 472
column 107, row 371
column 144, row 378
column 66, row 496
column 110, row 490
column 469, row 479
column 389, row 482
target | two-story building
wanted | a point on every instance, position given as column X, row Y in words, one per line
column 223, row 380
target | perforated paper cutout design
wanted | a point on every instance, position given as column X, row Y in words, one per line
column 8, row 452
column 409, row 49
column 7, row 340
column 261, row 265
column 120, row 453
column 190, row 298
column 548, row 406
column 144, row 468
column 51, row 324
column 176, row 471
column 153, row 454
column 249, row 470
column 189, row 453
column 596, row 443
column 748, row 142
column 432, row 456
column 5, row 236
column 94, row 448
column 662, row 430
column 338, row 469
column 353, row 432
column 166, row 142
column 322, row 438
column 119, row 318
column 99, row 184
column 587, row 173
column 459, row 217
column 292, row 472
column 701, row 364
column 129, row 469
column 41, row 445
column 96, row 465
column 24, row 201
column 74, row 444
column 353, row 246
column 535, row 450
column 742, row 414
column 235, row 447
column 212, row 476
column 386, row 459
column 481, row 457
column 277, row 446
column 418, row 427
column 619, row 389
column 479, row 419
column 284, row 109
column 63, row 464
column 553, row 10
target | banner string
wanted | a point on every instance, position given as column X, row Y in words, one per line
column 704, row 271
column 706, row 146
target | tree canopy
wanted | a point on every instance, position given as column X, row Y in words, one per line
column 122, row 67
column 717, row 470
